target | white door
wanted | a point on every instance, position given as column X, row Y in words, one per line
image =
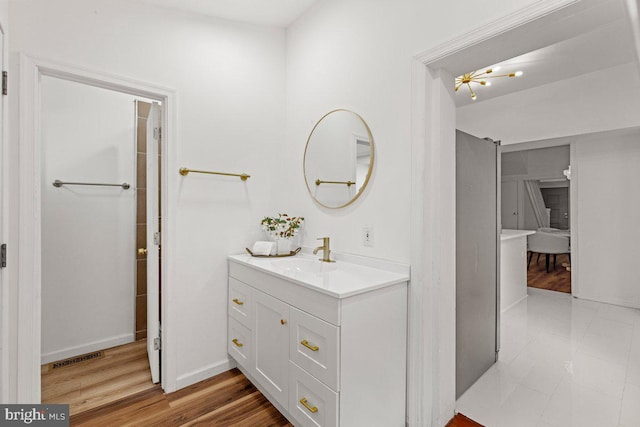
column 509, row 204
column 477, row 258
column 272, row 346
column 3, row 219
column 153, row 243
column 3, row 157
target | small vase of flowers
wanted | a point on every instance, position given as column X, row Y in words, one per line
column 282, row 229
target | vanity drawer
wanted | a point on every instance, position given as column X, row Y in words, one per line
column 239, row 345
column 311, row 403
column 240, row 302
column 314, row 347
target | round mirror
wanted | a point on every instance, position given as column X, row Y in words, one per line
column 338, row 158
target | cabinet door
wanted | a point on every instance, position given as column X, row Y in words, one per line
column 509, row 205
column 272, row 346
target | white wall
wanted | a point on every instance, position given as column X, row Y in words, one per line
column 607, row 174
column 229, row 80
column 88, row 233
column 357, row 54
column 594, row 102
column 543, row 163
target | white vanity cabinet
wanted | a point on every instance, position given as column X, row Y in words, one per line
column 323, row 356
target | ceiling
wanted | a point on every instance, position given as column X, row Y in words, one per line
column 606, row 46
column 277, row 13
column 599, row 49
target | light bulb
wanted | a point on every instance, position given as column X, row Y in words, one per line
column 473, row 96
column 518, row 73
column 487, row 83
column 497, row 68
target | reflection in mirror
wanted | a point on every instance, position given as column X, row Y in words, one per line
column 338, row 158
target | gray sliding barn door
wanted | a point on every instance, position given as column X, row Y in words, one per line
column 476, row 258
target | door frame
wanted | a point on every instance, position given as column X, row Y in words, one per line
column 29, row 313
column 4, row 231
column 431, row 368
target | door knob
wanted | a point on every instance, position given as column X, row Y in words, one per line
column 142, row 251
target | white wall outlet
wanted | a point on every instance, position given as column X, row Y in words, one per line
column 367, row 235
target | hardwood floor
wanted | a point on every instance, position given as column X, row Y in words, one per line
column 117, row 391
column 123, row 371
column 228, row 399
column 558, row 279
column 461, row 421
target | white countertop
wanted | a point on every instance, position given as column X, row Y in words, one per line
column 513, row 234
column 339, row 279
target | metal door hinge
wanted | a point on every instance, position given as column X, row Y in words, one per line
column 3, row 255
column 5, row 77
column 156, row 238
column 157, row 344
column 157, row 133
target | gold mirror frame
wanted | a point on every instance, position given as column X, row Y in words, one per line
column 371, row 161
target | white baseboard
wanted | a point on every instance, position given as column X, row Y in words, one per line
column 513, row 304
column 204, row 373
column 65, row 353
column 613, row 301
column 547, row 292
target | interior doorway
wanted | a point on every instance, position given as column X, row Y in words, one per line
column 29, row 316
column 530, row 176
column 434, row 121
column 100, row 272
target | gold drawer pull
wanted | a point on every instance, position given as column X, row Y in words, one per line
column 237, row 301
column 312, row 409
column 283, row 321
column 236, row 342
column 309, row 346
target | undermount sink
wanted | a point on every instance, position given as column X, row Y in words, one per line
column 339, row 279
column 304, row 266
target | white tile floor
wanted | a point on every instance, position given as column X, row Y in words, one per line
column 563, row 362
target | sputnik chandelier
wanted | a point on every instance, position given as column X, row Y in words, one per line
column 479, row 77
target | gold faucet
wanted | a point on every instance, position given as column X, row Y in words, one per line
column 326, row 252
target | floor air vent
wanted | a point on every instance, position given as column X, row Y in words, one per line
column 77, row 359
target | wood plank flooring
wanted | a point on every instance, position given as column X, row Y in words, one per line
column 461, row 421
column 117, row 391
column 228, row 399
column 558, row 279
column 123, row 371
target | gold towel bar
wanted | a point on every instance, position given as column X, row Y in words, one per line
column 348, row 183
column 185, row 172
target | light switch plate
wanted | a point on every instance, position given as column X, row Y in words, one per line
column 367, row 235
